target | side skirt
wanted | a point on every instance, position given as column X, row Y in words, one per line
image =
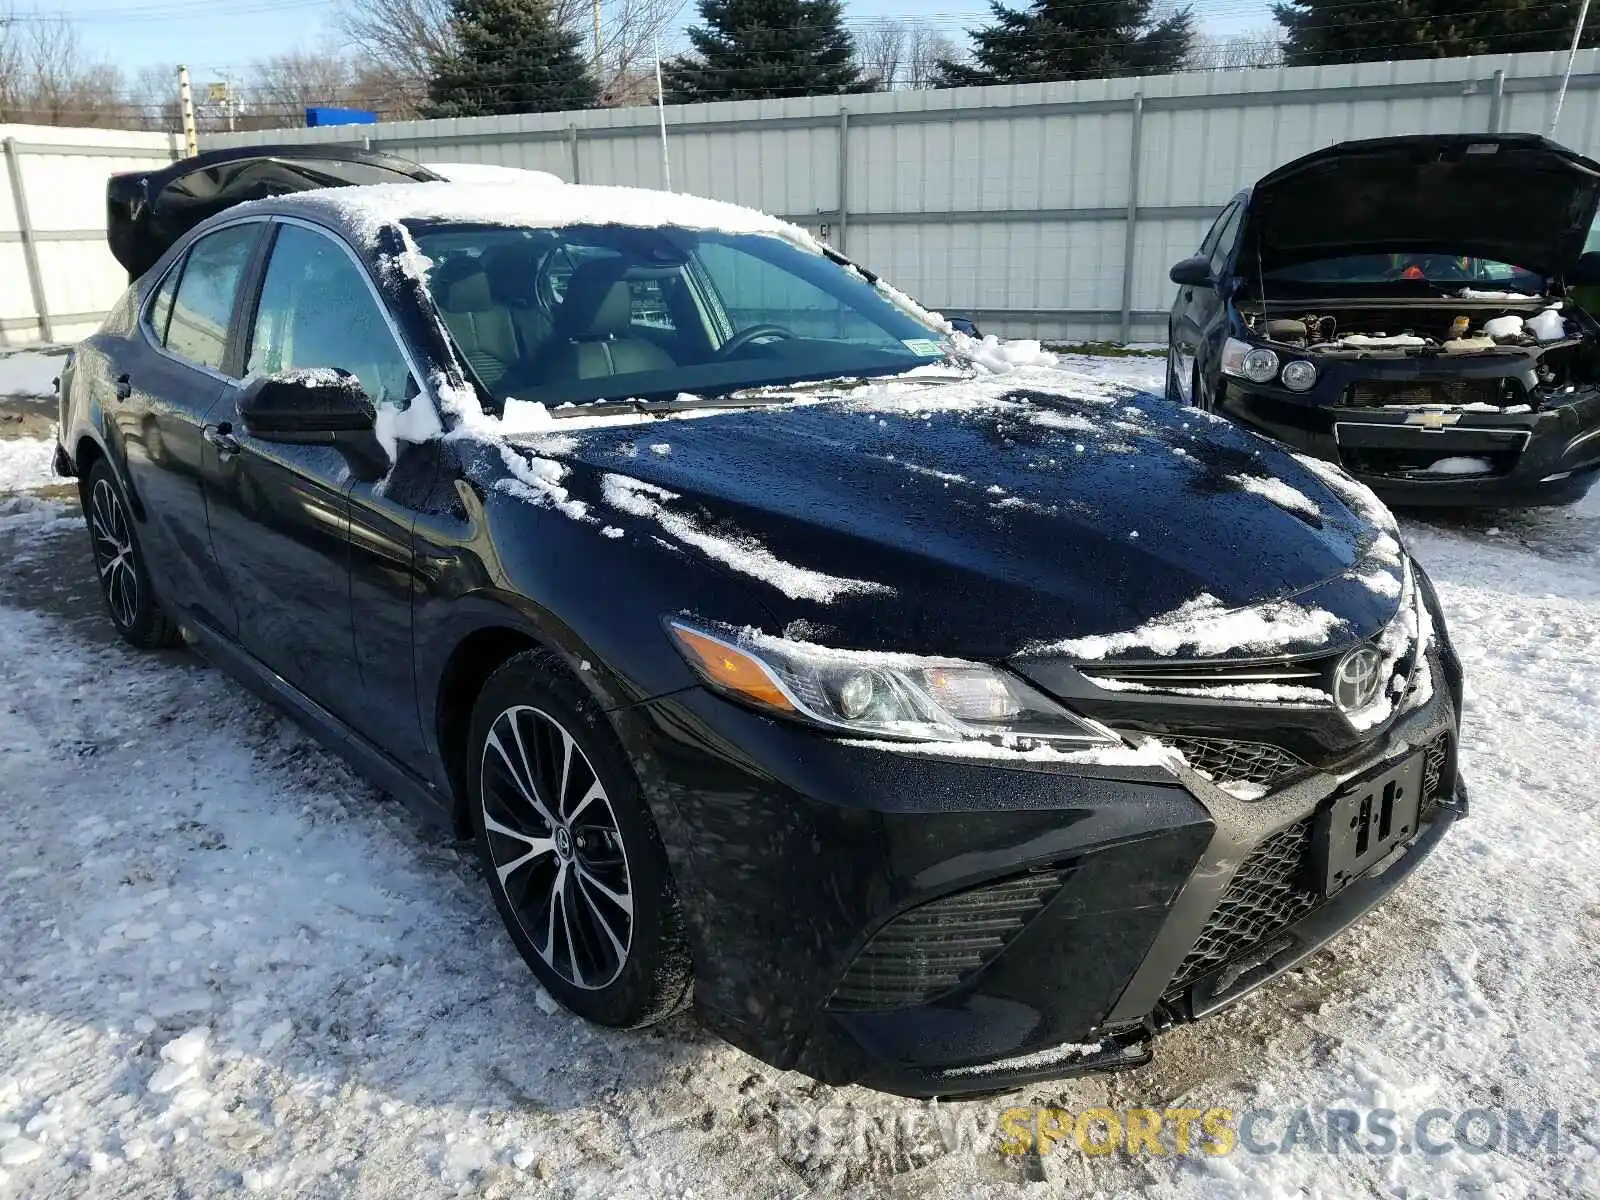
column 365, row 758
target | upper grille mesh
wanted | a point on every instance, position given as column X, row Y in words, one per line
column 1247, row 762
column 930, row 949
column 1271, row 891
column 1438, row 391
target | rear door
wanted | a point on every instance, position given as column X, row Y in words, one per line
column 281, row 514
column 166, row 380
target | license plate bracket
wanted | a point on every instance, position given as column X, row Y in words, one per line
column 1362, row 825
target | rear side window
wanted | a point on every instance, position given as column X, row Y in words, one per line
column 203, row 306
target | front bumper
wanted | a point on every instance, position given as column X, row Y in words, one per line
column 800, row 857
column 1551, row 456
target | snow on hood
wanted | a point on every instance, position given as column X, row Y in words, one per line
column 1204, row 628
column 1000, row 511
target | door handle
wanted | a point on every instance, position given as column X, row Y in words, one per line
column 221, row 436
column 124, row 387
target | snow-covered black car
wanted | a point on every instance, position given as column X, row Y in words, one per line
column 927, row 715
column 1405, row 307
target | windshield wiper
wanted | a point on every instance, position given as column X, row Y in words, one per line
column 646, row 407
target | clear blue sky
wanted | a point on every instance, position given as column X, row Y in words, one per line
column 211, row 35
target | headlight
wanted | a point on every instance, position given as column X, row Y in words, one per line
column 878, row 695
column 1299, row 375
column 1260, row 365
column 1255, row 363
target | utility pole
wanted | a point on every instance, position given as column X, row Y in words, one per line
column 191, row 143
column 597, row 40
column 661, row 109
column 1577, row 37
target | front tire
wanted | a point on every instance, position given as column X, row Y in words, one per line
column 124, row 579
column 571, row 855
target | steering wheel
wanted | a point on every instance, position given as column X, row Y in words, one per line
column 749, row 334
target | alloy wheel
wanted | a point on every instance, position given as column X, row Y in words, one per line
column 555, row 847
column 114, row 553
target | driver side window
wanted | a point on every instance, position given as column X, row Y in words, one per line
column 317, row 310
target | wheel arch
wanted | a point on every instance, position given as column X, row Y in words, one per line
column 497, row 629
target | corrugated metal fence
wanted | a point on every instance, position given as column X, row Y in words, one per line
column 1047, row 210
column 57, row 278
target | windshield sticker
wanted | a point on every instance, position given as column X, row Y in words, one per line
column 923, row 347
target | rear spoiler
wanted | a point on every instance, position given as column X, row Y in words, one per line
column 147, row 211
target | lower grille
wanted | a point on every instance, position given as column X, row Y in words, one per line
column 1435, row 771
column 1242, row 762
column 1271, row 891
column 930, row 949
column 1438, row 391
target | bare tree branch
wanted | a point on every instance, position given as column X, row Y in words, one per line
column 1240, row 52
column 398, row 41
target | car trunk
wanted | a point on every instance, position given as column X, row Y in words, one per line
column 147, row 211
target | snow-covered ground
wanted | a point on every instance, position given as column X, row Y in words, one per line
column 30, row 372
column 226, row 962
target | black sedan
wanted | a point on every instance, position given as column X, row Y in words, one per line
column 933, row 728
column 1408, row 308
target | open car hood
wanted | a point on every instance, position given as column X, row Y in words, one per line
column 146, row 211
column 1513, row 198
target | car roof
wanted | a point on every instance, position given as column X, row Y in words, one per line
column 362, row 213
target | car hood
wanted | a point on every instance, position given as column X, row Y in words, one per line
column 1518, row 199
column 972, row 519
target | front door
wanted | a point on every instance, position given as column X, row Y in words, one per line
column 281, row 514
column 1196, row 312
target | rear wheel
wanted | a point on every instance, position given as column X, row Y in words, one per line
column 571, row 855
column 124, row 580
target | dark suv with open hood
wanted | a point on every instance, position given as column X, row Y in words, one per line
column 1404, row 307
column 926, row 723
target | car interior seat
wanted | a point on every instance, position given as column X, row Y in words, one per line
column 481, row 326
column 593, row 334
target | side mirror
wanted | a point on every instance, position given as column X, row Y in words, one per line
column 318, row 407
column 1587, row 272
column 1193, row 272
column 965, row 325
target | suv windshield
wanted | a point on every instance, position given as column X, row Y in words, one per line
column 1443, row 269
column 589, row 313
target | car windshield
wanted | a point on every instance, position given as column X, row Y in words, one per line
column 588, row 313
column 1444, row 269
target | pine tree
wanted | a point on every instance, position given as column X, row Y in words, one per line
column 756, row 49
column 1338, row 31
column 511, row 57
column 1072, row 39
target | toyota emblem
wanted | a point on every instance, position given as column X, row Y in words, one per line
column 1357, row 680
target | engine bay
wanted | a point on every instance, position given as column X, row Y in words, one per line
column 1544, row 351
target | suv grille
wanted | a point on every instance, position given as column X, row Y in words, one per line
column 1271, row 891
column 1438, row 391
column 1243, row 762
column 933, row 947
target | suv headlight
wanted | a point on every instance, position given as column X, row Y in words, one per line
column 898, row 696
column 1255, row 363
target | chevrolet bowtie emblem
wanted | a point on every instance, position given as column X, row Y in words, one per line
column 1433, row 419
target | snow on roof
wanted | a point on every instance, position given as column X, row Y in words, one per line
column 461, row 172
column 368, row 209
